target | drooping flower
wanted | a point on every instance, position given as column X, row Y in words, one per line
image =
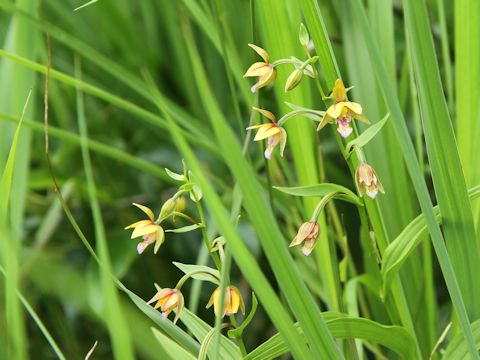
column 150, row 231
column 168, row 299
column 233, row 301
column 367, row 180
column 342, row 111
column 307, row 235
column 275, row 133
column 265, row 72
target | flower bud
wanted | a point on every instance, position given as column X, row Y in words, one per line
column 168, row 299
column 294, row 79
column 367, row 180
column 181, row 204
column 307, row 235
column 168, row 208
column 303, row 36
column 233, row 301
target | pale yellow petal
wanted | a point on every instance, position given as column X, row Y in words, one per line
column 283, row 141
column 325, row 120
column 261, row 52
column 266, row 79
column 336, row 109
column 138, row 223
column 356, row 108
column 264, row 132
column 160, row 294
column 159, row 239
column 257, row 126
column 257, row 69
column 146, row 210
column 265, row 113
column 339, row 93
column 234, row 303
column 144, row 230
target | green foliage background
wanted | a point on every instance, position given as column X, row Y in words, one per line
column 137, row 86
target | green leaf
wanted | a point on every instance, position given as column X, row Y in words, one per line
column 200, row 272
column 174, row 350
column 322, row 190
column 250, row 188
column 185, row 229
column 447, row 173
column 405, row 243
column 366, row 136
column 239, row 330
column 413, row 167
column 458, row 348
column 117, row 325
column 343, row 326
column 200, row 330
column 315, row 115
column 175, row 176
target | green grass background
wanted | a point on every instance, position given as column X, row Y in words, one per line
column 137, row 86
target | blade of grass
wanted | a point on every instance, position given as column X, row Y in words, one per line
column 118, row 329
column 41, row 326
column 99, row 148
column 397, row 305
column 289, row 279
column 243, row 257
column 143, row 114
column 345, row 326
column 10, row 248
column 451, row 191
column 279, row 23
column 417, row 178
column 467, row 78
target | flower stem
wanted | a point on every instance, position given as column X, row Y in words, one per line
column 293, row 113
column 214, row 255
column 239, row 339
column 187, row 276
column 321, row 204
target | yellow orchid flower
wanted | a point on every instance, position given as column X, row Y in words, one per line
column 264, row 70
column 307, row 235
column 342, row 111
column 275, row 133
column 233, row 301
column 168, row 299
column 148, row 229
column 367, row 180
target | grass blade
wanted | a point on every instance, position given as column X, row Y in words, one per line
column 416, row 175
column 119, row 332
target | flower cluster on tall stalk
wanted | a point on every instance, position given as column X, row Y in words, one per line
column 152, row 231
column 341, row 113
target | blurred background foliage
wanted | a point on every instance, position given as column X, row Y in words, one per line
column 117, row 43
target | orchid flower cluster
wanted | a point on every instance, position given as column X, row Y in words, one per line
column 152, row 231
column 340, row 113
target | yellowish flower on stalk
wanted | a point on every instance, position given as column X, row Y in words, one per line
column 149, row 230
column 342, row 111
column 233, row 301
column 307, row 235
column 275, row 133
column 264, row 70
column 168, row 299
column 367, row 180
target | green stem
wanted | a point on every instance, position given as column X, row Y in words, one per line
column 185, row 277
column 321, row 204
column 214, row 255
column 239, row 339
column 293, row 113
